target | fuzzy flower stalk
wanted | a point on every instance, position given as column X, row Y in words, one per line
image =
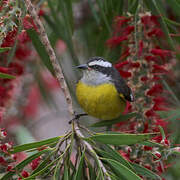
column 144, row 64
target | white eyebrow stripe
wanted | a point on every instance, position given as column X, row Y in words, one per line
column 100, row 63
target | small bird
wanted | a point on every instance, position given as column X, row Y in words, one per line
column 101, row 91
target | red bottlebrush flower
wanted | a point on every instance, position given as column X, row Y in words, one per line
column 9, row 168
column 147, row 148
column 128, row 30
column 150, row 58
column 141, row 46
column 122, row 64
column 160, row 168
column 161, row 52
column 25, row 174
column 150, row 113
column 135, row 64
column 156, row 89
column 9, row 39
column 28, row 23
column 125, row 155
column 154, row 19
column 31, row 107
column 3, row 134
column 23, row 37
column 2, row 161
column 34, row 164
column 157, row 107
column 146, row 20
column 5, row 70
column 146, row 126
column 157, row 139
column 41, row 12
column 144, row 78
column 165, row 142
column 120, row 21
column 22, row 52
column 125, row 74
column 124, row 54
column 17, row 69
column 155, row 32
column 159, row 69
column 114, row 41
column 157, row 154
column 161, row 122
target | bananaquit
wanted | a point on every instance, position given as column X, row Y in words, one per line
column 102, row 92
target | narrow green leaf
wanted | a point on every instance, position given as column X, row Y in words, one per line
column 152, row 5
column 171, row 22
column 78, row 175
column 145, row 172
column 115, row 121
column 133, row 7
column 151, row 144
column 6, row 76
column 103, row 15
column 92, row 173
column 25, row 147
column 122, row 170
column 4, row 49
column 113, row 154
column 94, row 13
column 175, row 6
column 66, row 172
column 121, row 139
column 162, row 132
column 22, row 164
column 41, row 50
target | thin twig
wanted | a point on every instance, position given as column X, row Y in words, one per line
column 59, row 75
column 57, row 69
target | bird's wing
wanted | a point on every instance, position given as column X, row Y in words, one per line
column 122, row 88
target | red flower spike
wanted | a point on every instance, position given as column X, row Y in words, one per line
column 9, row 168
column 121, row 64
column 128, row 30
column 157, row 154
column 17, row 69
column 155, row 32
column 114, row 41
column 147, row 166
column 156, row 89
column 28, row 23
column 22, row 52
column 135, row 64
column 150, row 58
column 125, row 74
column 23, row 37
column 2, row 161
column 150, row 113
column 41, row 12
column 34, row 164
column 144, row 78
column 159, row 69
column 147, row 148
column 9, row 39
column 25, row 174
column 141, row 46
column 161, row 52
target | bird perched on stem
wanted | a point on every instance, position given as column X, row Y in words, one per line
column 101, row 91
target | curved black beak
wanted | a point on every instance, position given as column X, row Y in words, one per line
column 82, row 66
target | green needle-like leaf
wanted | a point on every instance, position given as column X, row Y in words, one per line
column 6, row 76
column 41, row 50
column 121, row 139
column 121, row 170
column 34, row 145
column 78, row 175
column 4, row 49
column 145, row 172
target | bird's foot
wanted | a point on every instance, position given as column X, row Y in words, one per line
column 77, row 116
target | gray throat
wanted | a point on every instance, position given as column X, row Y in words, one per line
column 95, row 78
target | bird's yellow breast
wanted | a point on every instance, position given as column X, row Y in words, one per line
column 101, row 101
